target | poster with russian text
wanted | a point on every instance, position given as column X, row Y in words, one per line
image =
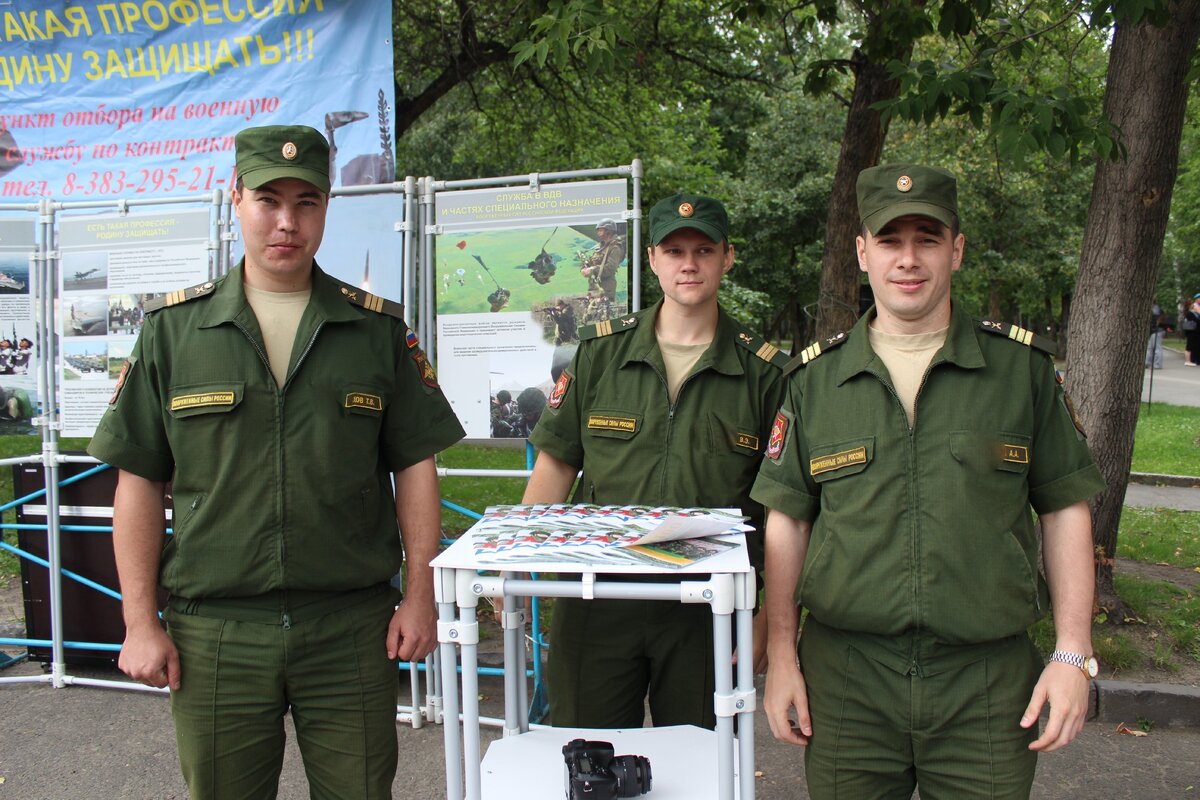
column 19, row 358
column 518, row 271
column 142, row 100
column 111, row 264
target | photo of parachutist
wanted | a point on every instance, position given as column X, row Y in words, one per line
column 499, row 298
column 544, row 265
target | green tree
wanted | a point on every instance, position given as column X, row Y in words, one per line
column 1146, row 97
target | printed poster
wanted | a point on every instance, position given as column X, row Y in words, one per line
column 111, row 264
column 517, row 273
column 19, row 360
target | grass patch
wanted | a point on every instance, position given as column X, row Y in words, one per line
column 1166, row 608
column 1160, row 536
column 1167, row 440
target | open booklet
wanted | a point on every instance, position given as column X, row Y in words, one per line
column 598, row 535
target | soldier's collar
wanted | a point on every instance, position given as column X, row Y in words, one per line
column 228, row 302
column 961, row 347
column 721, row 356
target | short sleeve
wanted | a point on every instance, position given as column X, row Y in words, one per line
column 558, row 429
column 1063, row 471
column 781, row 483
column 132, row 434
column 421, row 422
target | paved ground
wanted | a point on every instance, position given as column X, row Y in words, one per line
column 1174, row 384
column 83, row 743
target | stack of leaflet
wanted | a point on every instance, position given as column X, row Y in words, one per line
column 597, row 535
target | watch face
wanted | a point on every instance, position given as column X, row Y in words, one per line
column 1091, row 666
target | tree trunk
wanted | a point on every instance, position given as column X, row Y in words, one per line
column 1145, row 98
column 861, row 146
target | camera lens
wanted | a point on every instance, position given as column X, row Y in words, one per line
column 632, row 774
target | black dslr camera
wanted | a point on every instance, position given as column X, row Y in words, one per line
column 594, row 773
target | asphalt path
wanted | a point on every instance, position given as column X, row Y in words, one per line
column 1174, row 384
column 86, row 743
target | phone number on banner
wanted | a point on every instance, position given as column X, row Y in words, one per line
column 142, row 181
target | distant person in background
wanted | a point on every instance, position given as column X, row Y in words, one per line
column 1158, row 331
column 1191, row 333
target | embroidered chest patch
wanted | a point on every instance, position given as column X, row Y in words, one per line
column 857, row 455
column 201, row 399
column 371, row 402
column 746, row 441
column 608, row 422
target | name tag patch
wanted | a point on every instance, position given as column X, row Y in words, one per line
column 371, row 402
column 1014, row 453
column 746, row 440
column 607, row 422
column 201, row 399
column 837, row 460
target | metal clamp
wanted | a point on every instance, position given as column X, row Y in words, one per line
column 730, row 705
column 433, row 230
column 512, row 619
column 458, row 632
column 588, row 579
column 717, row 591
column 632, row 213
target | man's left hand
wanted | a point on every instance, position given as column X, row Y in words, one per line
column 412, row 633
column 1065, row 688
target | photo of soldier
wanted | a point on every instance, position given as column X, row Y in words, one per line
column 559, row 320
column 126, row 313
column 522, row 416
column 17, row 406
column 600, row 265
column 503, row 407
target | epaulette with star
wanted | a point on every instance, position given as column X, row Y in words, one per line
column 1019, row 334
column 179, row 296
column 813, row 350
column 371, row 302
column 762, row 348
column 607, row 327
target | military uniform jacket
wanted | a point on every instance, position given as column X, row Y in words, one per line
column 927, row 529
column 276, row 488
column 610, row 414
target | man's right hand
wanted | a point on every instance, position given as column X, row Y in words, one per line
column 786, row 690
column 149, row 656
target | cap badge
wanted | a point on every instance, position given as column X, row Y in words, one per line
column 686, row 209
column 904, row 183
column 289, row 151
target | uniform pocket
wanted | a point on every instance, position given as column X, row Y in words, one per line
column 204, row 398
column 984, row 451
column 733, row 436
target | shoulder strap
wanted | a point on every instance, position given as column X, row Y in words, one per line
column 814, row 350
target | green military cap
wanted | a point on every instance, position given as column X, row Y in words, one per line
column 282, row 151
column 898, row 190
column 685, row 210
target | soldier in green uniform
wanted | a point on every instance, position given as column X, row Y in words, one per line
column 280, row 404
column 899, row 481
column 667, row 406
column 600, row 267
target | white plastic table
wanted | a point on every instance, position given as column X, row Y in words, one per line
column 529, row 764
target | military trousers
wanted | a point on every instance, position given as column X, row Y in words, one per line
column 239, row 678
column 607, row 656
column 879, row 732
